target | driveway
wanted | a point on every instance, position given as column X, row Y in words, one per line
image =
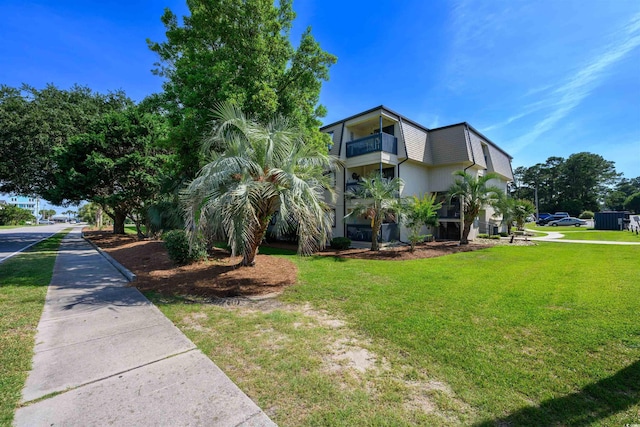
column 16, row 240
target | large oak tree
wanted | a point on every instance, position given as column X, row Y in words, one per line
column 118, row 164
column 237, row 51
column 35, row 122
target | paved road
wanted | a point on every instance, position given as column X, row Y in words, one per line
column 105, row 355
column 15, row 240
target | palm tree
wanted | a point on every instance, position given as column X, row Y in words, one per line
column 377, row 199
column 263, row 170
column 513, row 210
column 420, row 211
column 522, row 210
column 475, row 194
column 505, row 209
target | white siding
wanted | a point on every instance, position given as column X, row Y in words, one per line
column 441, row 178
column 416, row 183
column 415, row 177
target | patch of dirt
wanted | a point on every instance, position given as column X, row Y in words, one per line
column 352, row 355
column 216, row 277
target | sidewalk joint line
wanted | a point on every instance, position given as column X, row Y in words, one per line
column 58, row 392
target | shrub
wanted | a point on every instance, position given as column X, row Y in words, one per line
column 178, row 248
column 340, row 243
column 586, row 215
column 487, row 236
column 504, row 234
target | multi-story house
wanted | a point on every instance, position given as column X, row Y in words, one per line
column 28, row 203
column 383, row 140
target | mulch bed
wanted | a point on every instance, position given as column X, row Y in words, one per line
column 218, row 276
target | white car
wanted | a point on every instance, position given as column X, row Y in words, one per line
column 568, row 221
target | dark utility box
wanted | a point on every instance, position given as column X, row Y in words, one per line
column 612, row 220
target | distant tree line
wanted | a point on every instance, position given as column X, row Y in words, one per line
column 582, row 182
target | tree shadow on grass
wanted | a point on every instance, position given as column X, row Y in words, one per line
column 594, row 402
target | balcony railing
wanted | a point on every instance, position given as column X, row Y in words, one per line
column 373, row 143
column 449, row 212
column 363, row 233
column 353, row 187
column 356, row 190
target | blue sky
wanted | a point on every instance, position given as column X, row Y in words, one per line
column 539, row 78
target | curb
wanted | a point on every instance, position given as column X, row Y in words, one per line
column 121, row 268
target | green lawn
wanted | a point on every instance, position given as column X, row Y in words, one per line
column 582, row 233
column 23, row 287
column 131, row 229
column 606, row 235
column 541, row 335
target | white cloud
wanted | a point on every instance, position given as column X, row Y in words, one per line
column 562, row 100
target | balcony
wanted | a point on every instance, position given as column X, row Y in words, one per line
column 354, row 187
column 363, row 233
column 372, row 144
column 357, row 192
column 449, row 212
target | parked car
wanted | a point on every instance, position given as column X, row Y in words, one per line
column 550, row 218
column 563, row 214
column 45, row 221
column 543, row 215
column 568, row 221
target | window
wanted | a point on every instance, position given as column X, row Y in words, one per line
column 330, row 146
column 389, row 173
column 331, row 178
column 390, row 130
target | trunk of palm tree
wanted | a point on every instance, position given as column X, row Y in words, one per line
column 375, row 230
column 465, row 233
column 249, row 257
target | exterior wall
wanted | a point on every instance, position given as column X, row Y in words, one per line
column 336, row 131
column 476, row 146
column 415, row 177
column 372, row 158
column 416, row 144
column 496, row 160
column 449, row 145
column 501, row 162
column 28, row 203
column 416, row 182
column 338, row 230
column 441, row 178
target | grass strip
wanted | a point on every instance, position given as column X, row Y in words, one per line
column 23, row 287
column 604, row 235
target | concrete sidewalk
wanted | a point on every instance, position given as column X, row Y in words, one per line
column 105, row 355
